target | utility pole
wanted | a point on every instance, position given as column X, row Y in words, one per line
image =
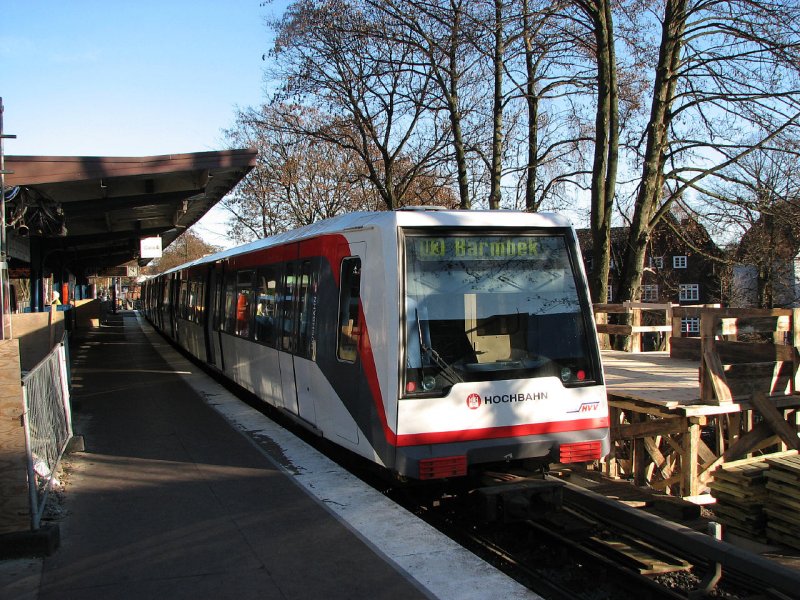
column 5, row 285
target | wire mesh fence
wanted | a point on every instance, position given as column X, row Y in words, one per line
column 48, row 424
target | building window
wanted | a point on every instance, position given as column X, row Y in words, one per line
column 678, row 262
column 690, row 325
column 689, row 292
column 656, row 262
column 650, row 293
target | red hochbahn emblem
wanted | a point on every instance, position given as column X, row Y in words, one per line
column 473, row 401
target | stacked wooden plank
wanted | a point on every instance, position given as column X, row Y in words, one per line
column 783, row 501
column 740, row 491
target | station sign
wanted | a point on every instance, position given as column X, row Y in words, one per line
column 150, row 247
column 124, row 271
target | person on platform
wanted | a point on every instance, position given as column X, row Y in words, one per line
column 56, row 299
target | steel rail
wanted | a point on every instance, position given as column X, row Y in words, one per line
column 686, row 540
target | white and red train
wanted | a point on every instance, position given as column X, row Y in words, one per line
column 426, row 341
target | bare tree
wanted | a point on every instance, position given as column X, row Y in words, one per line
column 606, row 142
column 334, row 55
column 756, row 201
column 437, row 34
column 724, row 70
column 297, row 180
column 187, row 247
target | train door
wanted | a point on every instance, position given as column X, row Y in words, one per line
column 172, row 308
column 212, row 300
column 305, row 307
column 286, row 318
column 349, row 329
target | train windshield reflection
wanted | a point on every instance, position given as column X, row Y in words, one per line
column 489, row 307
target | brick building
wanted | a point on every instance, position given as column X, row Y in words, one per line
column 678, row 268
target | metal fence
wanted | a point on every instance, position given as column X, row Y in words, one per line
column 48, row 424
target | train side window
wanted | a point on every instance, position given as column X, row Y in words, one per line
column 191, row 313
column 229, row 313
column 306, row 310
column 244, row 302
column 349, row 323
column 218, row 307
column 200, row 302
column 165, row 294
column 285, row 308
column 182, row 298
column 266, row 300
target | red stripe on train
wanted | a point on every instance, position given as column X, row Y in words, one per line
column 468, row 435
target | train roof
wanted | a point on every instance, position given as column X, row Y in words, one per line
column 413, row 217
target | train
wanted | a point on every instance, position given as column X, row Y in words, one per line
column 434, row 343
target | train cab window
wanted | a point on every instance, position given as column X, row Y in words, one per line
column 349, row 322
column 495, row 306
column 266, row 300
column 244, row 302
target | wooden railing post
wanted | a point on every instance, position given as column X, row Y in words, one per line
column 706, row 346
column 668, row 321
column 795, row 386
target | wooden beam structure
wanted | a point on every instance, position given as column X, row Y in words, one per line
column 674, row 421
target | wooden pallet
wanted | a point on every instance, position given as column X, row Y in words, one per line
column 783, row 502
column 741, row 491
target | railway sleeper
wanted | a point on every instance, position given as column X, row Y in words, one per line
column 644, row 558
column 518, row 501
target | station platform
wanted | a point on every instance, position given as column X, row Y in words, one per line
column 185, row 491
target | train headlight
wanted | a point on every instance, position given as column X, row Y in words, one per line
column 428, row 382
column 566, row 374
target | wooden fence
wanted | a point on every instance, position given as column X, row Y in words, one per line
column 747, row 400
column 634, row 327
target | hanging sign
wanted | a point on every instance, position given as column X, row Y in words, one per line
column 150, row 247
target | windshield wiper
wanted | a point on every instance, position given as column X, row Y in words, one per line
column 447, row 370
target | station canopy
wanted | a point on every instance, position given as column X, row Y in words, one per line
column 94, row 210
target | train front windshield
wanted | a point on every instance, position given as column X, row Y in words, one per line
column 493, row 307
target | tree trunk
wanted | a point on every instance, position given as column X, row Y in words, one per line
column 606, row 150
column 497, row 108
column 648, row 200
column 532, row 101
column 455, row 112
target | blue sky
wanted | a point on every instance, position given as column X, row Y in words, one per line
column 129, row 77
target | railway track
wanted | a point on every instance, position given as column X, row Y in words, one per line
column 593, row 547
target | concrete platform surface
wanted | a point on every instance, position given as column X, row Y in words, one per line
column 184, row 491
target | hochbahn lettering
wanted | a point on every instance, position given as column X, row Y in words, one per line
column 503, row 398
column 474, row 401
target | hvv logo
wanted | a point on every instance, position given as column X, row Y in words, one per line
column 585, row 407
